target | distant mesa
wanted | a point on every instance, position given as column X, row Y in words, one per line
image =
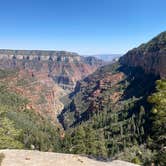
column 107, row 57
column 65, row 68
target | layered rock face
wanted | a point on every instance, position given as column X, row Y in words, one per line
column 151, row 56
column 92, row 95
column 42, row 93
column 44, row 77
column 65, row 68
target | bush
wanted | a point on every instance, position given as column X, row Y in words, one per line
column 136, row 160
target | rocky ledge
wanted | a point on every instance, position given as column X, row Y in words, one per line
column 36, row 158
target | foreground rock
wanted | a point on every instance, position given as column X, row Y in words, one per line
column 36, row 158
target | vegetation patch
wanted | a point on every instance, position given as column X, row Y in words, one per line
column 23, row 128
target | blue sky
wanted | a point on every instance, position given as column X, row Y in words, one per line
column 83, row 26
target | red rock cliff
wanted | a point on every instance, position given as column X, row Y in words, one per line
column 150, row 56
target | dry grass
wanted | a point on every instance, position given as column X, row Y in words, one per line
column 2, row 156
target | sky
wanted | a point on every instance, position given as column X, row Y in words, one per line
column 83, row 26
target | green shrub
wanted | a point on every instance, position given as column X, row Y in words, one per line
column 136, row 160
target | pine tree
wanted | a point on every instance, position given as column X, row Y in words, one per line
column 78, row 143
column 90, row 140
column 158, row 116
column 101, row 150
column 159, row 113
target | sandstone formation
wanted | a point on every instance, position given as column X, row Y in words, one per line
column 151, row 57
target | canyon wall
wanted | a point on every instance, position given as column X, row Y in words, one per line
column 151, row 57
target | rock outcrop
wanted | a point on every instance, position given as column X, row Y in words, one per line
column 36, row 158
column 151, row 57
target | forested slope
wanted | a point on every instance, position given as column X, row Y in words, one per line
column 22, row 127
column 111, row 113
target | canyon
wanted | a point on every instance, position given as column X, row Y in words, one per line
column 62, row 102
column 44, row 77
